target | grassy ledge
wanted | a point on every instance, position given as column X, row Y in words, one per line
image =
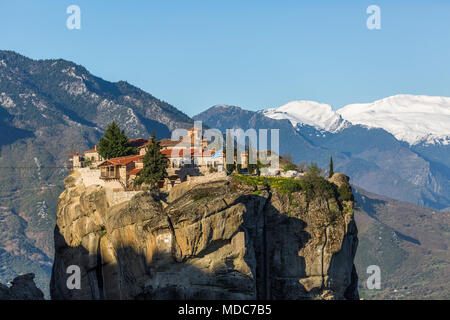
column 312, row 185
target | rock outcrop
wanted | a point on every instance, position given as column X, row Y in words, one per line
column 22, row 288
column 223, row 239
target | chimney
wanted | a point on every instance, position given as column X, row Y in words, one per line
column 95, row 147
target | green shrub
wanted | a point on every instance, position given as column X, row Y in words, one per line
column 345, row 192
column 87, row 163
column 289, row 166
column 284, row 185
column 314, row 169
column 230, row 167
column 313, row 185
column 317, row 186
column 330, row 217
column 212, row 169
column 102, row 231
column 69, row 180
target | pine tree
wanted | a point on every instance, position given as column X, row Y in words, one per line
column 155, row 164
column 331, row 171
column 115, row 143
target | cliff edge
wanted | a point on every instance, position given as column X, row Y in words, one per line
column 22, row 288
column 236, row 237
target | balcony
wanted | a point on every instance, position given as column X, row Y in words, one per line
column 109, row 173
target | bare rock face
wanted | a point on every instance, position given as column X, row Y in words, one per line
column 339, row 179
column 223, row 239
column 22, row 288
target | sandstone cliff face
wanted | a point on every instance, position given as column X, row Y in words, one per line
column 222, row 239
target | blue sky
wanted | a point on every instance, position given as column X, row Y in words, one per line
column 254, row 54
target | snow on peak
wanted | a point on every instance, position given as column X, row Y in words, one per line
column 319, row 115
column 410, row 118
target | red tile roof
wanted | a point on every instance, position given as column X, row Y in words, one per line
column 169, row 142
column 177, row 153
column 95, row 149
column 187, row 152
column 121, row 161
column 162, row 143
column 134, row 171
column 208, row 153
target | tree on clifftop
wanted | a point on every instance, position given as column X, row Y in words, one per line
column 115, row 143
column 251, row 165
column 155, row 164
column 331, row 171
column 314, row 170
column 230, row 147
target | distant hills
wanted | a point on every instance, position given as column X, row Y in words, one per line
column 410, row 245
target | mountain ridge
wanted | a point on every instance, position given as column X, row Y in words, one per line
column 414, row 119
column 303, row 112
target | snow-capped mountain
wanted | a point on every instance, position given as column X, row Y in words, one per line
column 318, row 115
column 410, row 118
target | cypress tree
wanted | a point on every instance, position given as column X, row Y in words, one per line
column 331, row 171
column 230, row 148
column 251, row 166
column 259, row 165
column 115, row 143
column 155, row 164
column 230, row 167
